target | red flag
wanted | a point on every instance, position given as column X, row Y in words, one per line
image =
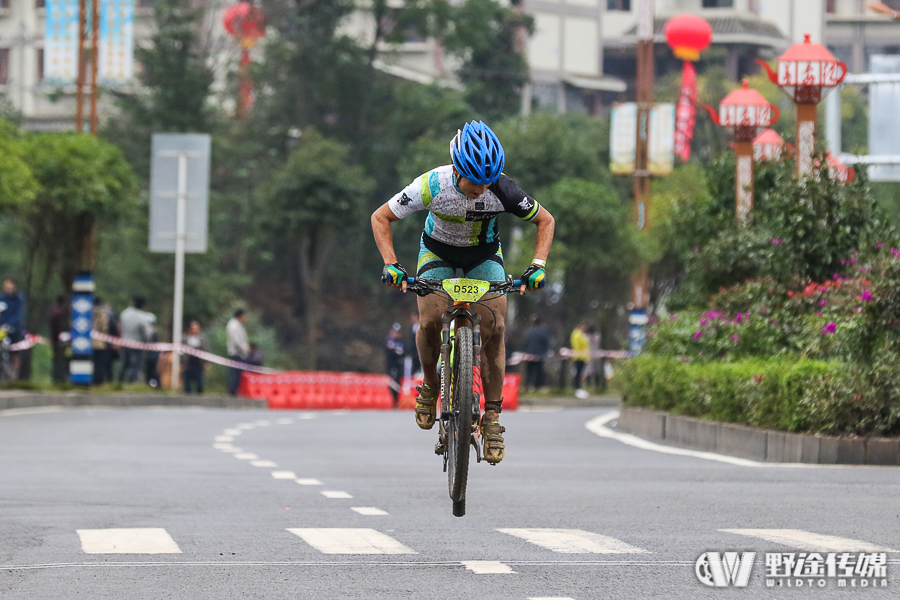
column 685, row 112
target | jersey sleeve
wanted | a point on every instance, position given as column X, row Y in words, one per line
column 409, row 199
column 514, row 200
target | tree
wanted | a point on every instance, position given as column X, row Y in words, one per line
column 17, row 185
column 315, row 200
column 84, row 182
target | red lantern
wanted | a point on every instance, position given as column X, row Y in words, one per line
column 688, row 36
column 247, row 24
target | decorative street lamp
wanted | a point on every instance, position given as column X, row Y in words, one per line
column 806, row 73
column 745, row 111
column 767, row 146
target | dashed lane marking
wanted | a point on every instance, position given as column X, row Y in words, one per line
column 487, row 567
column 263, row 463
column 351, row 541
column 335, row 494
column 284, row 475
column 233, row 432
column 369, row 511
column 246, row 456
column 223, row 438
column 309, row 481
column 148, row 540
column 573, row 541
column 805, row 540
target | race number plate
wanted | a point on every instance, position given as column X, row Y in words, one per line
column 466, row 290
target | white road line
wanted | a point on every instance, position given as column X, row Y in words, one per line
column 540, row 409
column 228, row 448
column 263, row 463
column 351, row 541
column 148, row 540
column 245, row 456
column 573, row 541
column 224, row 438
column 232, row 432
column 309, row 481
column 284, row 422
column 369, row 511
column 334, row 494
column 284, row 475
column 263, row 423
column 38, row 410
column 598, row 427
column 246, row 426
column 804, row 540
column 487, row 567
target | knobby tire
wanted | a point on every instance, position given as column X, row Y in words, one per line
column 460, row 425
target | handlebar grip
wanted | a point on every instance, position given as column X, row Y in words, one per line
column 385, row 278
column 517, row 282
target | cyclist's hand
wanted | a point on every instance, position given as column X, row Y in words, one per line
column 533, row 278
column 394, row 275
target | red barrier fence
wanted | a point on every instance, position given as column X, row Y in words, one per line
column 351, row 391
column 511, row 383
column 318, row 390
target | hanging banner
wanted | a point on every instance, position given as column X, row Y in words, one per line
column 61, row 42
column 686, row 112
column 661, row 146
column 623, row 138
column 116, row 41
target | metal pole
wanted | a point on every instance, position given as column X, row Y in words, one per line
column 95, row 60
column 180, row 223
column 833, row 121
column 744, row 178
column 79, row 82
column 645, row 68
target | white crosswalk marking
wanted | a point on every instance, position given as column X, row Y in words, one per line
column 573, row 541
column 147, row 540
column 805, row 540
column 336, row 494
column 351, row 541
column 487, row 567
column 309, row 481
column 284, row 475
column 369, row 511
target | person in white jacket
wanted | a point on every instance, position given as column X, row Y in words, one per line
column 238, row 347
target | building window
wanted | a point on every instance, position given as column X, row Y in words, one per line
column 718, row 3
column 892, row 4
column 4, row 3
column 40, row 3
column 4, row 66
column 40, row 65
column 624, row 5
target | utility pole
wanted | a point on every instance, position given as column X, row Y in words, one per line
column 95, row 61
column 645, row 72
column 79, row 81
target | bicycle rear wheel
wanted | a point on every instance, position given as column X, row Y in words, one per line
column 460, row 424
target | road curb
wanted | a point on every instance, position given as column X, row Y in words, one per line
column 77, row 399
column 758, row 444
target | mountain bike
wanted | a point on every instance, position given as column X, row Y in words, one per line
column 460, row 365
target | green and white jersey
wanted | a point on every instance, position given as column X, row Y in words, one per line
column 455, row 219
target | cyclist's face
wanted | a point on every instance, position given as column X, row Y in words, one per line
column 471, row 189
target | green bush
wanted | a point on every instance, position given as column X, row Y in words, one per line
column 800, row 395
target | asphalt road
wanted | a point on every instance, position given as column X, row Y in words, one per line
column 217, row 504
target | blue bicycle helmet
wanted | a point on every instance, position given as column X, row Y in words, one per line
column 477, row 154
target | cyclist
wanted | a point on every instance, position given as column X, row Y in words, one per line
column 464, row 200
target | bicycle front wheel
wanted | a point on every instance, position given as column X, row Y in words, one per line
column 460, row 424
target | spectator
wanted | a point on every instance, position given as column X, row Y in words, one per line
column 193, row 366
column 593, row 372
column 537, row 346
column 12, row 318
column 237, row 346
column 393, row 358
column 254, row 357
column 151, row 357
column 59, row 322
column 101, row 349
column 134, row 325
column 581, row 353
column 113, row 331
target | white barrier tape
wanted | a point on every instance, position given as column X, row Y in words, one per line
column 181, row 349
column 520, row 357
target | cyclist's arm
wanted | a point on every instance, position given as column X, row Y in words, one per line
column 546, row 224
column 381, row 227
